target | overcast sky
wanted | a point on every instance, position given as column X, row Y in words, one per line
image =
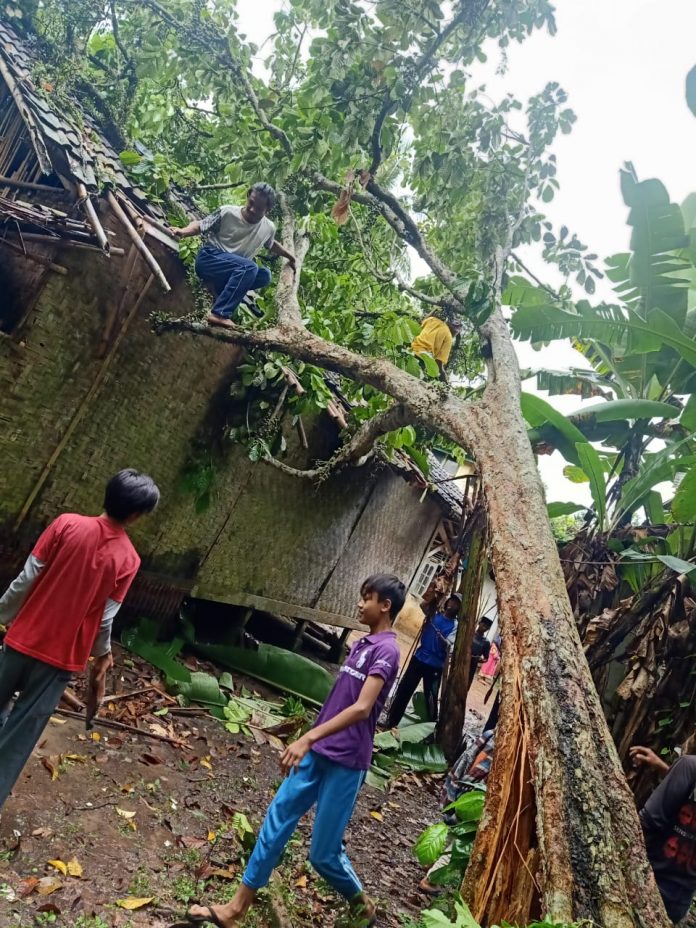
column 623, row 63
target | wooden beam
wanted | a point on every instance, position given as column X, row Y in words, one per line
column 93, row 219
column 277, row 607
column 138, row 242
column 62, row 241
column 26, row 185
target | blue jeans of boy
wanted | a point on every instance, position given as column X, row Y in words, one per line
column 334, row 788
column 230, row 277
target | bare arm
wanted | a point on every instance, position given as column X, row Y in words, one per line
column 277, row 249
column 358, row 712
column 193, row 228
column 17, row 592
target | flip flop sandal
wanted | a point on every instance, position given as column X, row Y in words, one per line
column 210, row 918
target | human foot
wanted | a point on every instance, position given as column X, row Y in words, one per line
column 219, row 915
column 362, row 911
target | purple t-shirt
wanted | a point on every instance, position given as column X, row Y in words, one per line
column 373, row 656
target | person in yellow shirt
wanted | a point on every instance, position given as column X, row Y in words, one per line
column 436, row 338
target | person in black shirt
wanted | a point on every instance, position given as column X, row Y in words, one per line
column 480, row 647
column 669, row 827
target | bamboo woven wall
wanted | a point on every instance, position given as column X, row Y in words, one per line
column 265, row 534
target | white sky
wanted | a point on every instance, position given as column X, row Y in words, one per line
column 623, row 64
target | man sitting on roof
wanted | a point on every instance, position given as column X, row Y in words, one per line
column 234, row 235
column 436, row 338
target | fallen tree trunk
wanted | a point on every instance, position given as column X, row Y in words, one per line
column 591, row 853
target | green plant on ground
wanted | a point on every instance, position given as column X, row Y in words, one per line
column 434, row 841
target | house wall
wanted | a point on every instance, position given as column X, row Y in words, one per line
column 73, row 414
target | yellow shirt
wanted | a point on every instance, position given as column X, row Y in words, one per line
column 434, row 337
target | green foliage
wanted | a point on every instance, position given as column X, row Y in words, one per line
column 176, row 81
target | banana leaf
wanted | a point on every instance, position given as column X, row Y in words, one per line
column 203, row 688
column 424, row 757
column 141, row 639
column 277, row 667
column 414, row 733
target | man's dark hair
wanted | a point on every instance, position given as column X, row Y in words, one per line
column 130, row 493
column 386, row 586
column 265, row 190
column 454, row 596
column 486, row 622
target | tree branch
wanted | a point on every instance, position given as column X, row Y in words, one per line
column 393, row 277
column 536, row 280
column 289, row 311
column 220, row 48
column 405, row 227
column 417, row 73
column 429, row 403
column 360, row 446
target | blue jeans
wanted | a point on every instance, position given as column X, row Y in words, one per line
column 334, row 788
column 230, row 277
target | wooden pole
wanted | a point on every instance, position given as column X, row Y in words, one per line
column 138, row 242
column 26, row 185
column 62, row 241
column 97, row 227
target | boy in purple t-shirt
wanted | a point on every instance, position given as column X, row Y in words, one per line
column 327, row 766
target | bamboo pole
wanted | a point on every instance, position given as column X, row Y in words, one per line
column 28, row 119
column 26, row 185
column 93, row 219
column 82, row 408
column 60, row 240
column 138, row 242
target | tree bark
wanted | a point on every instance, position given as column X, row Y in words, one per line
column 453, row 709
column 592, row 858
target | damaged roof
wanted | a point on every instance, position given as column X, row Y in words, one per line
column 71, row 142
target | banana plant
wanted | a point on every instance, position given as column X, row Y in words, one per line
column 642, row 356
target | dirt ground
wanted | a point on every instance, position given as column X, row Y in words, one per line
column 133, row 818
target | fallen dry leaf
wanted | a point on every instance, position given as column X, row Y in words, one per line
column 205, row 762
column 301, row 882
column 133, row 902
column 74, row 867
column 56, row 721
column 26, row 887
column 211, row 836
column 48, row 885
column 125, row 813
column 377, row 816
column 95, row 736
column 223, row 874
column 51, row 764
column 42, row 832
column 59, row 865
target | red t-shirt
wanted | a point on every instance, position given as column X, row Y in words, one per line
column 87, row 560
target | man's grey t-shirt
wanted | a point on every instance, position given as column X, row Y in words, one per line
column 228, row 230
column 669, row 825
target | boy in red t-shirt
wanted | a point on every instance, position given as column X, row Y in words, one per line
column 60, row 610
